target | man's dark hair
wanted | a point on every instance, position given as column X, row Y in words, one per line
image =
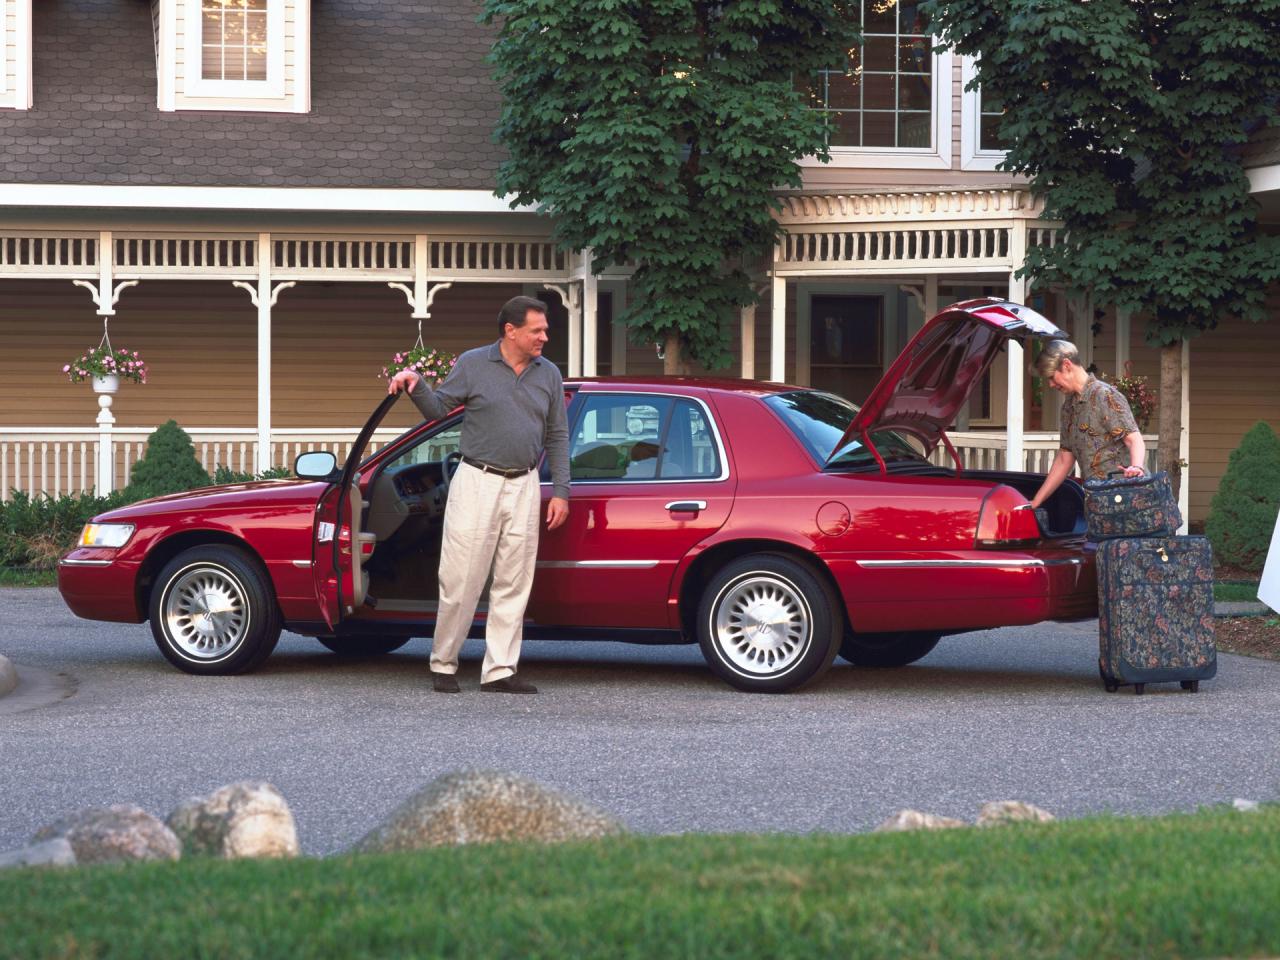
column 515, row 310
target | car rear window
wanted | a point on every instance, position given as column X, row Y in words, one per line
column 819, row 420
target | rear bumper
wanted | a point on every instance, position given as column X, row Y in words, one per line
column 97, row 587
column 972, row 590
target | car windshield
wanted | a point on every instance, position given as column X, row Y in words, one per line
column 819, row 420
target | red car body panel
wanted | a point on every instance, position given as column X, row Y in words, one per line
column 900, row 549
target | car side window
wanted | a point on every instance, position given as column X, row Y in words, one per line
column 432, row 449
column 688, row 450
column 618, row 437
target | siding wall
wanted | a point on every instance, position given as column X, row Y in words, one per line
column 191, row 8
column 199, row 340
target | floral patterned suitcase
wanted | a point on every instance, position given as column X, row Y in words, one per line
column 1155, row 611
column 1121, row 506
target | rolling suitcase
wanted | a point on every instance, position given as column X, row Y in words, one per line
column 1155, row 612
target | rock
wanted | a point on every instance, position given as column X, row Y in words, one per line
column 916, row 820
column 48, row 853
column 1011, row 811
column 485, row 807
column 8, row 676
column 1245, row 806
column 248, row 819
column 114, row 834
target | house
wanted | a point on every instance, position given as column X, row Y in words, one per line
column 268, row 198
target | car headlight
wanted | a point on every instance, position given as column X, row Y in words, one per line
column 105, row 534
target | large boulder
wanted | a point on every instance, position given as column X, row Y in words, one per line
column 8, row 676
column 48, row 853
column 114, row 834
column 485, row 807
column 248, row 819
column 1011, row 811
column 917, row 820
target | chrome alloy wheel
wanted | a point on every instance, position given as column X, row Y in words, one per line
column 205, row 612
column 762, row 624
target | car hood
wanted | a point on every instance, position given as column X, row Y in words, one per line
column 227, row 496
column 941, row 365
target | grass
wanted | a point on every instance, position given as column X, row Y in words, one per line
column 1228, row 591
column 27, row 577
column 1198, row 885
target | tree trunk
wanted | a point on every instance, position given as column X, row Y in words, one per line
column 673, row 363
column 1171, row 413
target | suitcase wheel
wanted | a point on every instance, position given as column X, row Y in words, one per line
column 1138, row 688
column 1192, row 685
column 1111, row 686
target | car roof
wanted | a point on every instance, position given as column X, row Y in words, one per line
column 758, row 388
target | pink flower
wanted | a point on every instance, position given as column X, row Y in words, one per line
column 66, row 368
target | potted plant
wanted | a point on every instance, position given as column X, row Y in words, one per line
column 1137, row 390
column 433, row 365
column 106, row 367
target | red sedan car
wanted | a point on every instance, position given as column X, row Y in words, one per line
column 775, row 526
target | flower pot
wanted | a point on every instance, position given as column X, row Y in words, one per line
column 106, row 384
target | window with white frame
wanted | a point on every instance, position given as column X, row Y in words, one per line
column 15, row 54
column 234, row 48
column 892, row 96
column 982, row 147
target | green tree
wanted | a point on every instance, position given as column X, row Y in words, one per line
column 1243, row 512
column 1127, row 116
column 168, row 466
column 656, row 133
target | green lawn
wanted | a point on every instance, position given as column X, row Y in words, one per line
column 23, row 577
column 1202, row 885
column 1235, row 590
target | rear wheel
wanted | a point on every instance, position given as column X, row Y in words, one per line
column 767, row 623
column 368, row 645
column 213, row 611
column 887, row 649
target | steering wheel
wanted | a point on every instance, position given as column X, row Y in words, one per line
column 449, row 467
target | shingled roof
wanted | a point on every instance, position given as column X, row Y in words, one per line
column 401, row 96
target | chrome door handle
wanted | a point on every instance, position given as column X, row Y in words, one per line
column 687, row 506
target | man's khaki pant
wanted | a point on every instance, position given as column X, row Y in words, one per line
column 490, row 523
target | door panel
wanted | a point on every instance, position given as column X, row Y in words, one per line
column 650, row 481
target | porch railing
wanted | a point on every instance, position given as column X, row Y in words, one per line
column 62, row 460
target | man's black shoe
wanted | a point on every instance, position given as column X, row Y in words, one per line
column 511, row 684
column 445, row 683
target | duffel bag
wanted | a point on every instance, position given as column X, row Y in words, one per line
column 1121, row 506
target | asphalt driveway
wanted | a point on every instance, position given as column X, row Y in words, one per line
column 647, row 733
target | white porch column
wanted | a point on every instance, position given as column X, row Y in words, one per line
column 747, row 327
column 1184, row 439
column 590, row 348
column 778, row 331
column 1016, row 377
column 576, row 310
column 264, row 352
column 1124, row 327
column 105, row 474
column 930, row 305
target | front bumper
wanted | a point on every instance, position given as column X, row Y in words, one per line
column 97, row 585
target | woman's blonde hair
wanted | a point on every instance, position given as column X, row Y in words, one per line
column 1055, row 351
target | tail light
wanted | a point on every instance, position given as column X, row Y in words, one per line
column 1007, row 521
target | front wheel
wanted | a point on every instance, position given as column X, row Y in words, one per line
column 213, row 611
column 369, row 645
column 887, row 649
column 767, row 623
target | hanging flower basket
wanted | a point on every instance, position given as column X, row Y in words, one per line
column 1137, row 390
column 434, row 365
column 104, row 363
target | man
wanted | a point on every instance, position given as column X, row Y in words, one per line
column 1098, row 429
column 514, row 400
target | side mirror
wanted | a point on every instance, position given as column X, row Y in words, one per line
column 315, row 465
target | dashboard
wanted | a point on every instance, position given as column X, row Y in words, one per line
column 415, row 490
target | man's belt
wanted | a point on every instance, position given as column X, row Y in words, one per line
column 487, row 468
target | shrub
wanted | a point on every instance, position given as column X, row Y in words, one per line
column 36, row 531
column 1243, row 512
column 169, row 465
column 223, row 475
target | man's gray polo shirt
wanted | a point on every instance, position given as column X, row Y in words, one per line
column 510, row 419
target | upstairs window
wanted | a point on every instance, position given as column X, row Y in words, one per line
column 982, row 146
column 234, row 40
column 892, row 95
